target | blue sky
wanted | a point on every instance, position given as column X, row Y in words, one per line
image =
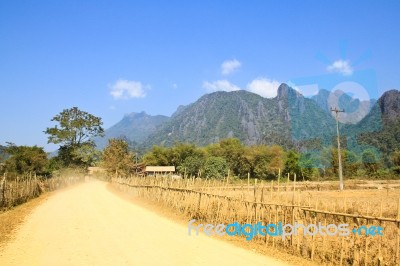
column 115, row 57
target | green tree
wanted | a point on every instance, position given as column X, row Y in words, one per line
column 117, row 160
column 215, row 167
column 309, row 163
column 75, row 132
column 234, row 153
column 370, row 161
column 26, row 159
column 192, row 165
column 395, row 157
column 264, row 161
column 351, row 164
column 158, row 155
column 292, row 164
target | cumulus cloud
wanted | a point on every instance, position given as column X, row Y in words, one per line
column 229, row 66
column 341, row 66
column 127, row 89
column 264, row 87
column 220, row 85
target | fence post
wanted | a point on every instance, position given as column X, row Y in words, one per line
column 2, row 187
column 248, row 181
column 255, row 200
column 279, row 177
column 198, row 204
column 398, row 234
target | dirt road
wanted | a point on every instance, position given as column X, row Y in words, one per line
column 89, row 225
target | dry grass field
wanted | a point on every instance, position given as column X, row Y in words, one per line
column 363, row 203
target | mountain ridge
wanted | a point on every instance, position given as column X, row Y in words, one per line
column 289, row 120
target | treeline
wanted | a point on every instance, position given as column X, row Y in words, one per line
column 23, row 160
column 231, row 157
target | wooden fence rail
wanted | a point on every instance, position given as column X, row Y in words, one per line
column 205, row 206
column 20, row 190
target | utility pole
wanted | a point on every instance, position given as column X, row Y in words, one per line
column 337, row 111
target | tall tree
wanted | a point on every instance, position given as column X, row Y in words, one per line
column 117, row 159
column 292, row 163
column 370, row 161
column 75, row 131
column 25, row 159
column 215, row 167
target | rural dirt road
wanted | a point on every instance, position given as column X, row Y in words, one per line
column 89, row 225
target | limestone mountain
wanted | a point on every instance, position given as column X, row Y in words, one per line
column 287, row 119
column 381, row 127
column 134, row 127
column 290, row 120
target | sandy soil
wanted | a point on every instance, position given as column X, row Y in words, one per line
column 89, row 225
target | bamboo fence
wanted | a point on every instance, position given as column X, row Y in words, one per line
column 204, row 201
column 20, row 190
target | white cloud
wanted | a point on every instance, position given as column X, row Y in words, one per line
column 229, row 66
column 264, row 87
column 220, row 85
column 126, row 89
column 341, row 66
column 174, row 86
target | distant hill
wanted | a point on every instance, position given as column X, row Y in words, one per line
column 345, row 101
column 381, row 127
column 284, row 120
column 289, row 120
column 135, row 127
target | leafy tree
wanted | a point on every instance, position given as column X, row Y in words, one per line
column 180, row 151
column 75, row 132
column 264, row 161
column 117, row 159
column 192, row 165
column 185, row 157
column 396, row 161
column 351, row 164
column 234, row 153
column 292, row 164
column 370, row 161
column 158, row 155
column 25, row 159
column 309, row 163
column 215, row 167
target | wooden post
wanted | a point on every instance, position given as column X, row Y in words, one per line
column 294, row 188
column 262, row 192
column 387, row 188
column 255, row 186
column 198, row 204
column 279, row 177
column 248, row 181
column 366, row 246
column 398, row 234
column 2, row 188
column 255, row 200
column 380, row 259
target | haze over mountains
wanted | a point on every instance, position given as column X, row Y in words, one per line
column 289, row 119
